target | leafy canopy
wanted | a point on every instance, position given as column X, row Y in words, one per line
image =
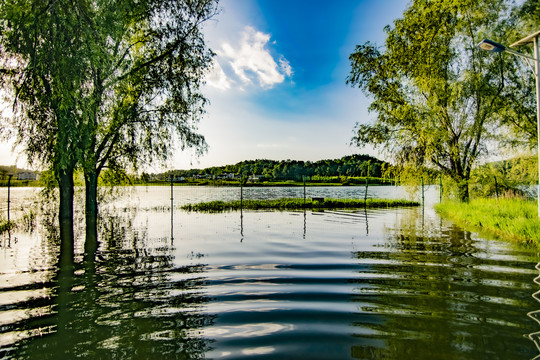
column 434, row 93
column 104, row 83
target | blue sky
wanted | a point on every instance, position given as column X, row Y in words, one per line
column 277, row 89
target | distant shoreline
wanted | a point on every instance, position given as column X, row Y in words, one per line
column 222, row 183
column 372, row 181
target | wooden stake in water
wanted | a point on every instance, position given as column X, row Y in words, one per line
column 365, row 193
column 9, row 195
column 304, row 179
column 241, row 211
column 172, row 211
column 440, row 188
column 172, row 193
column 367, row 177
column 422, row 191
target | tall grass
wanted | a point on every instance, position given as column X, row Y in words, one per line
column 514, row 219
column 295, row 203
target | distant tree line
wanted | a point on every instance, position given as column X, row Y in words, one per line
column 347, row 166
column 9, row 170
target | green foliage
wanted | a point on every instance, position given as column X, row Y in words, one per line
column 8, row 170
column 42, row 66
column 503, row 178
column 6, row 226
column 145, row 74
column 435, row 94
column 412, row 177
column 518, row 110
column 508, row 218
column 103, row 84
column 323, row 171
column 114, row 178
column 295, row 204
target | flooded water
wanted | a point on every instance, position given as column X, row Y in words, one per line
column 367, row 284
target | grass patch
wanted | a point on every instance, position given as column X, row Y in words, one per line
column 295, row 203
column 513, row 219
column 6, row 226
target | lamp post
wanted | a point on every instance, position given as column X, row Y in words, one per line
column 492, row 46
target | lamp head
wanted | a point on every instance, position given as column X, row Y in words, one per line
column 492, row 46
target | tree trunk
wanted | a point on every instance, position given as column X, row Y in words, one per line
column 463, row 190
column 65, row 217
column 91, row 213
column 65, row 317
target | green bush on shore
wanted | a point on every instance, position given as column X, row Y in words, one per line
column 295, row 203
column 514, row 219
column 6, row 226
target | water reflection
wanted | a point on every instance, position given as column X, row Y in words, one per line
column 433, row 292
column 6, row 240
column 241, row 224
column 535, row 315
column 305, row 225
column 126, row 300
column 172, row 214
column 366, row 284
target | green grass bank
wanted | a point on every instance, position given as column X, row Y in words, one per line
column 295, row 203
column 512, row 219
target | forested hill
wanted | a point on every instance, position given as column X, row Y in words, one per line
column 352, row 165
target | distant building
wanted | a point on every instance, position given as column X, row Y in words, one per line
column 27, row 175
column 225, row 176
column 202, row 176
column 255, row 178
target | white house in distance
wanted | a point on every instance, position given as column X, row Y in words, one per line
column 27, row 175
column 255, row 178
column 226, row 176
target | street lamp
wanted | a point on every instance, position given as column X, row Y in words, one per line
column 492, row 46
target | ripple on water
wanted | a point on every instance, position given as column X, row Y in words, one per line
column 319, row 285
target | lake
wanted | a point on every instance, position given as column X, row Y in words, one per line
column 367, row 284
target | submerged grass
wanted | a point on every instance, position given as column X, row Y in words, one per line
column 513, row 219
column 6, row 226
column 295, row 203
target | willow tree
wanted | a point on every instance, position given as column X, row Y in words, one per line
column 41, row 62
column 519, row 95
column 434, row 93
column 148, row 62
column 103, row 84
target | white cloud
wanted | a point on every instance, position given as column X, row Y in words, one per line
column 217, row 78
column 249, row 62
column 285, row 66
